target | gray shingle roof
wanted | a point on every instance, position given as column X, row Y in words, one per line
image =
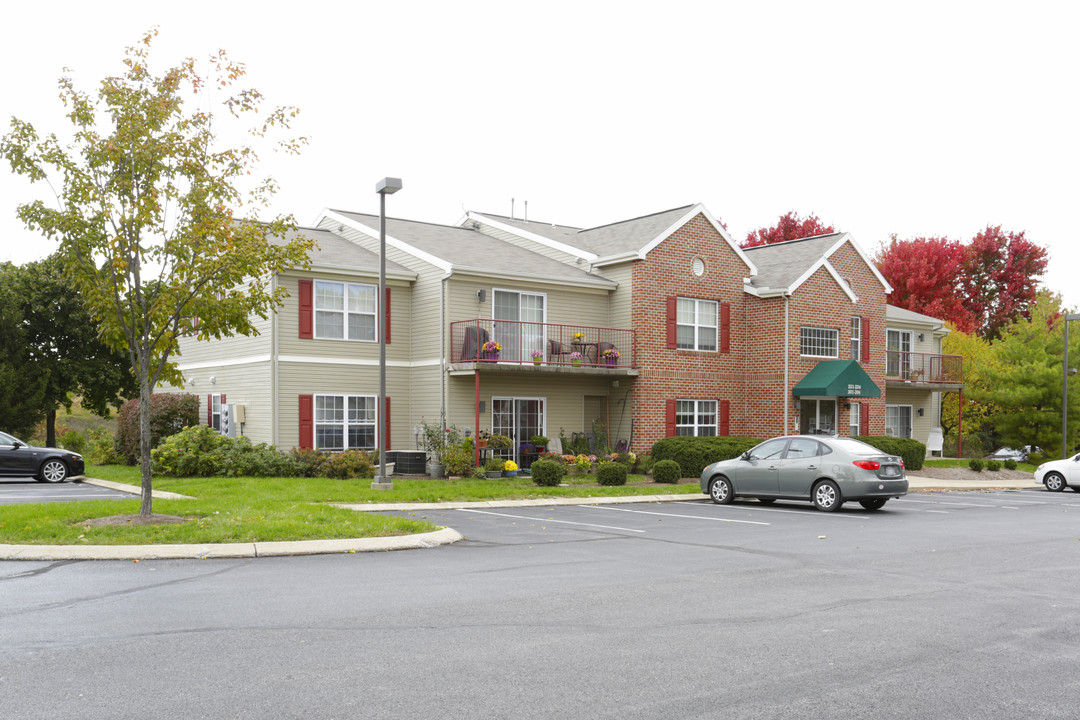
column 334, row 251
column 902, row 314
column 551, row 231
column 467, row 248
column 781, row 264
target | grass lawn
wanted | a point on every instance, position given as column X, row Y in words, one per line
column 225, row 510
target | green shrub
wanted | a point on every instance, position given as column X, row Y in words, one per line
column 976, row 464
column 493, row 464
column 72, row 440
column 645, row 463
column 1010, row 464
column 611, row 473
column 1036, row 457
column 694, row 453
column 308, row 461
column 458, row 460
column 547, row 473
column 993, row 465
column 100, row 448
column 349, row 464
column 169, row 414
column 911, row 451
column 200, row 451
column 667, row 471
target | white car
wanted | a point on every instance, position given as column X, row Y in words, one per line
column 1057, row 475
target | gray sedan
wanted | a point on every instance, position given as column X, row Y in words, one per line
column 825, row 470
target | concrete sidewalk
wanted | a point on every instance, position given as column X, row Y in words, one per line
column 445, row 536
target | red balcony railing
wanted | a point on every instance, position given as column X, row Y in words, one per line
column 924, row 367
column 528, row 343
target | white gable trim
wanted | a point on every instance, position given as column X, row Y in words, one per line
column 391, row 241
column 694, row 211
column 525, row 234
column 846, row 237
column 824, row 263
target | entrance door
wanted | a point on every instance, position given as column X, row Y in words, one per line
column 519, row 323
column 519, row 419
column 817, row 416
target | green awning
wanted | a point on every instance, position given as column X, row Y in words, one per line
column 837, row 378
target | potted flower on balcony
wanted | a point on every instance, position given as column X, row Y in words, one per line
column 540, row 442
column 576, row 358
column 537, row 356
column 491, row 350
column 482, row 439
column 611, row 357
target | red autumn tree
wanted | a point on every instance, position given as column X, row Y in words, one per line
column 980, row 287
column 1002, row 272
column 789, row 227
column 926, row 275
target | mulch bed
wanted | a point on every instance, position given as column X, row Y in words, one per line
column 114, row 520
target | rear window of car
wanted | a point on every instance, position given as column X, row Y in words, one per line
column 857, row 447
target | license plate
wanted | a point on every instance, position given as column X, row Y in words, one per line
column 890, row 471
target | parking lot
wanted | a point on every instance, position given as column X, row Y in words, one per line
column 29, row 490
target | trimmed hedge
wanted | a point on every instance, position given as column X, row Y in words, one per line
column 913, row 452
column 694, row 453
column 547, row 473
column 667, row 471
column 611, row 473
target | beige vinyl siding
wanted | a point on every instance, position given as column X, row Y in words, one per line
column 191, row 350
column 920, row 426
column 531, row 245
column 563, row 305
column 621, row 310
column 246, row 384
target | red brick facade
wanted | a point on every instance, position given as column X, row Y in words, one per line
column 751, row 374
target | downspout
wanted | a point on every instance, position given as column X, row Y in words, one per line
column 787, row 349
column 275, row 440
column 442, row 352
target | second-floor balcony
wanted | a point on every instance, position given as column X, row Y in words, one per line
column 942, row 372
column 519, row 343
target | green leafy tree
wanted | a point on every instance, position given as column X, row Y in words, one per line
column 64, row 348
column 158, row 223
column 22, row 388
column 1024, row 381
column 979, row 360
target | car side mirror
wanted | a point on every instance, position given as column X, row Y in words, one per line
column 745, row 455
column 17, row 444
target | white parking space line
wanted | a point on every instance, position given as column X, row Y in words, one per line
column 691, row 517
column 549, row 520
column 946, row 502
column 940, row 512
column 808, row 512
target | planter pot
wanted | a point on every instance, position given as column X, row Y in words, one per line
column 611, row 362
column 577, row 363
column 537, row 361
column 491, row 357
column 437, row 470
column 540, row 449
column 481, row 443
column 492, row 474
column 573, row 470
column 510, row 473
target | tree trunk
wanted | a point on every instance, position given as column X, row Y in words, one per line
column 144, row 444
column 50, row 428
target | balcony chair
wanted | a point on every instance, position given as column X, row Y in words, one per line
column 475, row 337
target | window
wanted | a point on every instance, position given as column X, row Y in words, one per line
column 802, row 448
column 817, row 416
column 818, row 342
column 855, row 420
column 345, row 311
column 345, row 422
column 898, row 420
column 856, row 338
column 696, row 418
column 214, row 420
column 696, row 322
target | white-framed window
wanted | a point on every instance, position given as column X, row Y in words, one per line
column 695, row 418
column 898, row 420
column 346, row 311
column 215, row 411
column 345, row 422
column 856, row 338
column 818, row 342
column 696, row 324
column 855, row 420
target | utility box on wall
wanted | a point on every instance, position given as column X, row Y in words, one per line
column 232, row 420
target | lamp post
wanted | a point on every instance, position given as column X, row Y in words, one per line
column 1065, row 391
column 386, row 186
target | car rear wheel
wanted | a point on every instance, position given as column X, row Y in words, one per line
column 54, row 471
column 875, row 504
column 1055, row 482
column 827, row 496
column 720, row 491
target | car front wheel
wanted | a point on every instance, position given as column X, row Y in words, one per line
column 827, row 496
column 1055, row 482
column 720, row 491
column 54, row 471
column 875, row 504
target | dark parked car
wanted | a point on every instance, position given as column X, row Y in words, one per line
column 825, row 470
column 46, row 464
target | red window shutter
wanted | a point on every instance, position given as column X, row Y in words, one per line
column 307, row 421
column 222, row 398
column 210, row 410
column 307, row 323
column 725, row 417
column 864, row 340
column 386, row 312
column 386, row 422
column 725, row 328
column 672, row 325
column 670, row 429
column 864, row 419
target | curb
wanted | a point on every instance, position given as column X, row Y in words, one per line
column 132, row 489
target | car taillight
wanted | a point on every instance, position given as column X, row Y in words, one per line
column 868, row 464
column 902, row 465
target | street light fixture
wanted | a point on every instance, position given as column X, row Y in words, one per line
column 1065, row 391
column 386, row 186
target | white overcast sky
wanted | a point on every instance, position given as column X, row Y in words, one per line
column 916, row 118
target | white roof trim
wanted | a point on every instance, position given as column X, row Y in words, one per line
column 846, row 237
column 321, row 269
column 539, row 239
column 602, row 284
column 694, row 211
column 824, row 263
column 765, row 292
column 391, row 241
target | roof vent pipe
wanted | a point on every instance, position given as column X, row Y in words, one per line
column 526, row 211
column 511, row 208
